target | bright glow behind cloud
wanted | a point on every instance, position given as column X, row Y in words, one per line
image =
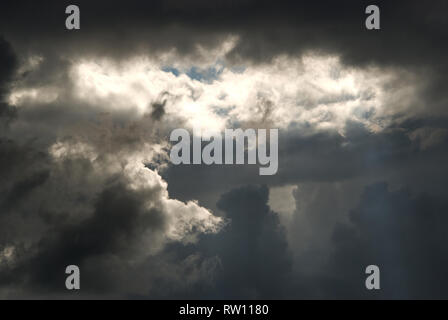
column 315, row 91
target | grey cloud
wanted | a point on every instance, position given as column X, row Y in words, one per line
column 119, row 218
column 400, row 232
column 115, row 246
column 267, row 28
column 24, row 187
column 8, row 66
column 254, row 254
column 72, row 212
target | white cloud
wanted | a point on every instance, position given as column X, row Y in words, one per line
column 312, row 90
column 184, row 221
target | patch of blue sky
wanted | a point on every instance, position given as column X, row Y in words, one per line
column 172, row 70
column 207, row 75
column 204, row 75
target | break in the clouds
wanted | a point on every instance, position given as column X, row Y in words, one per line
column 85, row 119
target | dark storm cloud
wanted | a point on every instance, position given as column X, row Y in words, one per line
column 398, row 230
column 413, row 36
column 412, row 33
column 21, row 162
column 112, row 247
column 118, row 219
column 251, row 258
column 16, row 159
column 253, row 250
column 254, row 258
column 24, row 187
column 402, row 233
column 8, row 65
column 327, row 156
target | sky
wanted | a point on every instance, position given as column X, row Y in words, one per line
column 85, row 171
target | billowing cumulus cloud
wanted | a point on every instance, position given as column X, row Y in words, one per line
column 313, row 90
column 85, row 119
column 86, row 196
